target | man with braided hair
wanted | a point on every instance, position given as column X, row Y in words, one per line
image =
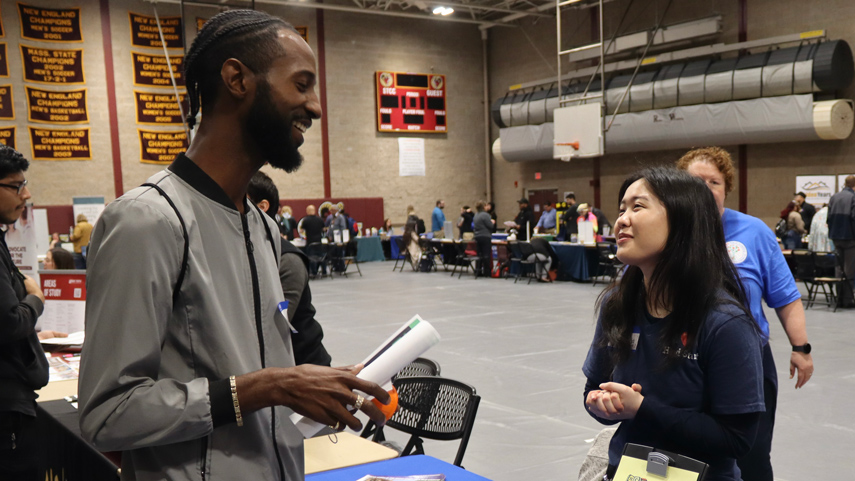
column 188, row 364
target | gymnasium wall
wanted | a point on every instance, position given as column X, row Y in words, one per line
column 771, row 169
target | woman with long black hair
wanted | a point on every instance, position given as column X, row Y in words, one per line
column 676, row 356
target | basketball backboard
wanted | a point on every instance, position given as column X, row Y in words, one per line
column 578, row 132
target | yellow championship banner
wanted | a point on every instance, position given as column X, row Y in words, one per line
column 51, row 144
column 52, row 66
column 66, row 107
column 7, row 136
column 50, row 24
column 144, row 32
column 159, row 109
column 153, row 70
column 161, row 147
column 7, row 109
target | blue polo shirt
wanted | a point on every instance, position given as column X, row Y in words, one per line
column 762, row 268
column 437, row 219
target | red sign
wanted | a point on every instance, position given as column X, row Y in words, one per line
column 411, row 102
column 63, row 287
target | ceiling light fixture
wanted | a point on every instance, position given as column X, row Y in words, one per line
column 443, row 11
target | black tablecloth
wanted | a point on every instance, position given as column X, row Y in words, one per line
column 67, row 455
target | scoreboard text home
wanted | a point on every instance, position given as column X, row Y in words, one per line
column 411, row 102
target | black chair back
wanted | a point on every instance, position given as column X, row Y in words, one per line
column 434, row 408
column 805, row 269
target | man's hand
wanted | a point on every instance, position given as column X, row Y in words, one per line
column 33, row 288
column 51, row 334
column 804, row 364
column 320, row 393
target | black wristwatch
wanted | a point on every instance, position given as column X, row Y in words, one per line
column 805, row 349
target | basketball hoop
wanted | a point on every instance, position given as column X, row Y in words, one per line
column 566, row 150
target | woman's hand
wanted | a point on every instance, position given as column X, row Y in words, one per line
column 618, row 401
column 604, row 404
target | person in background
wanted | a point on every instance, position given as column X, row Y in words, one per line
column 806, row 209
column 412, row 217
column 437, row 220
column 387, row 228
column 490, row 208
column 287, row 223
column 544, row 256
column 841, row 230
column 23, row 366
column 58, row 258
column 411, row 244
column 338, row 222
column 676, row 358
column 312, row 226
column 570, row 216
column 55, row 241
column 524, row 220
column 307, row 334
column 764, row 274
column 80, row 237
column 464, row 223
column 818, row 240
column 795, row 226
column 585, row 215
column 602, row 220
column 482, row 227
column 547, row 222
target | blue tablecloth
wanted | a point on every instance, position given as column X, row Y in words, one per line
column 396, row 254
column 406, row 466
column 369, row 249
column 578, row 263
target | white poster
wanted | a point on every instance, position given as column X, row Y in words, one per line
column 91, row 207
column 21, row 239
column 817, row 188
column 411, row 157
column 841, row 181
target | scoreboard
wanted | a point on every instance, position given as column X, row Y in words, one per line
column 411, row 102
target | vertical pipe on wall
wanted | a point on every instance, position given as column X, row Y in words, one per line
column 322, row 85
column 107, row 43
column 742, row 157
column 487, row 151
column 597, row 32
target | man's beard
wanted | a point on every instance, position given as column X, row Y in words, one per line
column 271, row 131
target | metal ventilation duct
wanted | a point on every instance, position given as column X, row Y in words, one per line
column 823, row 67
column 791, row 118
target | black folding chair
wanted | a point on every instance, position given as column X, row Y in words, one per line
column 433, row 408
column 463, row 260
column 607, row 263
column 528, row 264
column 351, row 250
column 319, row 257
column 421, row 366
column 402, row 253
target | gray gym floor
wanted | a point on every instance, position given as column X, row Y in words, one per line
column 522, row 347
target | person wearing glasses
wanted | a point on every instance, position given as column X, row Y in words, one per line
column 23, row 366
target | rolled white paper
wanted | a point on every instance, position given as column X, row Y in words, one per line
column 409, row 342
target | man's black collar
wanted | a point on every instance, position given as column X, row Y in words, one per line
column 191, row 173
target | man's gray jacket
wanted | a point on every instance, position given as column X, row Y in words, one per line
column 154, row 373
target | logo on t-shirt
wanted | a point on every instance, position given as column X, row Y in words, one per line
column 737, row 252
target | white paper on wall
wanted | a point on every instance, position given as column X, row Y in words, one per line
column 411, row 157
